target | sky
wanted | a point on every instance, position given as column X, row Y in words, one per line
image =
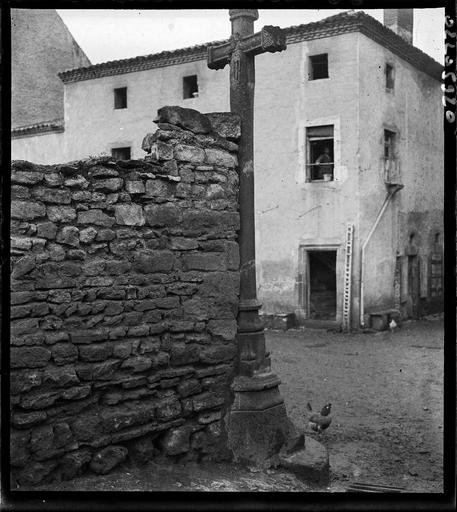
column 122, row 33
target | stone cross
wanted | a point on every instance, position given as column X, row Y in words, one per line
column 258, row 425
column 239, row 53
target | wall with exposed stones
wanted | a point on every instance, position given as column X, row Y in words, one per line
column 124, row 293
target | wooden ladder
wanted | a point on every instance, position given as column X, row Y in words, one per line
column 347, row 278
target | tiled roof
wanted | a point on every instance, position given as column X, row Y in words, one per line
column 56, row 125
column 331, row 26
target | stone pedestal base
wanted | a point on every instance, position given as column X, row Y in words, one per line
column 257, row 424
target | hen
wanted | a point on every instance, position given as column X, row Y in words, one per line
column 319, row 421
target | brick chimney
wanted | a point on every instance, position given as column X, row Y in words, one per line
column 401, row 22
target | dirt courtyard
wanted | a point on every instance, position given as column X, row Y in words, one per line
column 386, row 391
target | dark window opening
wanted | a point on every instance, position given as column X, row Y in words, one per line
column 322, row 286
column 120, row 98
column 120, row 153
column 318, row 66
column 320, row 157
column 190, row 87
column 390, row 77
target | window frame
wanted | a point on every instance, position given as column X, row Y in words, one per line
column 120, row 148
column 311, row 68
column 187, row 88
column 124, row 102
column 389, row 66
column 309, row 138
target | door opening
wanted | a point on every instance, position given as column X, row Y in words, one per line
column 322, row 285
column 413, row 285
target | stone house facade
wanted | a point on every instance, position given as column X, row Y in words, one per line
column 347, row 87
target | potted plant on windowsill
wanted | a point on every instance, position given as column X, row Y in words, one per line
column 328, row 177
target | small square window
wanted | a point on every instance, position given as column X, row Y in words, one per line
column 120, row 153
column 120, row 98
column 190, row 87
column 390, row 77
column 318, row 66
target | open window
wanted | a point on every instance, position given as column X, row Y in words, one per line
column 190, row 87
column 120, row 98
column 320, row 153
column 318, row 66
column 121, row 153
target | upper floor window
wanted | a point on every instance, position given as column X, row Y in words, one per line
column 390, row 77
column 190, row 87
column 120, row 98
column 121, row 153
column 320, row 159
column 318, row 66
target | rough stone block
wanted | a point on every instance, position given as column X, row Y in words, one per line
column 186, row 118
column 27, row 210
column 152, row 262
column 28, row 419
column 207, row 400
column 168, row 408
column 226, row 329
column 19, row 448
column 107, row 459
column 39, row 400
column 189, row 387
column 96, row 217
column 47, row 230
column 182, row 353
column 135, row 187
column 24, row 380
column 56, row 196
column 23, row 266
column 34, row 472
column 74, row 464
column 29, row 357
column 204, row 261
column 137, row 364
column 177, row 441
column 129, row 215
column 108, row 185
column 158, row 188
column 61, row 213
column 31, row 177
column 217, row 354
column 95, row 352
column 183, row 153
column 68, row 235
column 220, row 158
column 60, row 377
column 225, row 124
column 162, row 215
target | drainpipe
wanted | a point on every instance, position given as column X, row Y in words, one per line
column 390, row 194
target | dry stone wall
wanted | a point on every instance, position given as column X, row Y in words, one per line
column 124, row 293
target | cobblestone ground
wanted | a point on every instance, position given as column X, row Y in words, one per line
column 386, row 391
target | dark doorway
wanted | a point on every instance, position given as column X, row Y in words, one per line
column 322, row 285
column 413, row 285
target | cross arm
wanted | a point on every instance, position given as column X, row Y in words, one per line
column 269, row 39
